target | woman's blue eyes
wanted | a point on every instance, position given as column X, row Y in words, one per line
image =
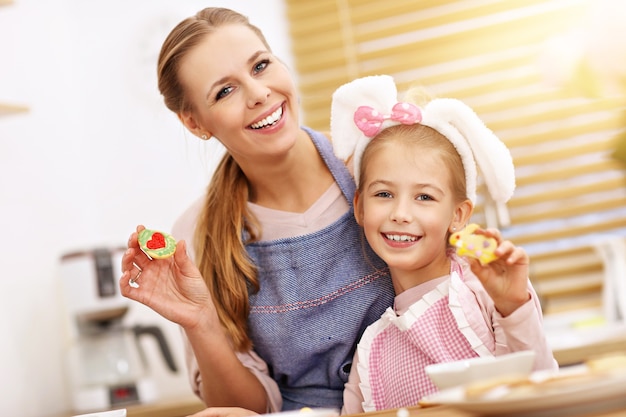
column 258, row 68
column 261, row 66
column 223, row 92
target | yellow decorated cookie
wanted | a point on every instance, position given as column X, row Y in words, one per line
column 155, row 244
column 473, row 245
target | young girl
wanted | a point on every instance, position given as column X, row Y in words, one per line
column 416, row 184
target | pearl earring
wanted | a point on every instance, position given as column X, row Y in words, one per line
column 453, row 228
column 204, row 137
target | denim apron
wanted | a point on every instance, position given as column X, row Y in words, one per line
column 318, row 293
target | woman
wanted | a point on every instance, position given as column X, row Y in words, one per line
column 278, row 285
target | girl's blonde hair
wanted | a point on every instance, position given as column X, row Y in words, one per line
column 421, row 137
column 418, row 136
column 225, row 219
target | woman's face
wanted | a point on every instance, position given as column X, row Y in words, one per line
column 241, row 94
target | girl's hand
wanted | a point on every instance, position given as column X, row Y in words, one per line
column 506, row 278
column 173, row 287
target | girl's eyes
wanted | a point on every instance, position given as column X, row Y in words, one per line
column 423, row 197
column 387, row 194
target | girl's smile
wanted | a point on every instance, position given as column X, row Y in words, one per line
column 400, row 240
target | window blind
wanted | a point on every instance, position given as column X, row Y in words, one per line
column 570, row 191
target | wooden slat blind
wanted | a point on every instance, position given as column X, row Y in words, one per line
column 570, row 191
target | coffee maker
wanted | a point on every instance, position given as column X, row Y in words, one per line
column 105, row 362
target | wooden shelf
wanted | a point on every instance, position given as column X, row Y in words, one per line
column 7, row 109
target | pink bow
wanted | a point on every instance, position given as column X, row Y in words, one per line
column 370, row 121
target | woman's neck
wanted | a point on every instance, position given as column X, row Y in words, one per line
column 294, row 182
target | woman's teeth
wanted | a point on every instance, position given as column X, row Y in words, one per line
column 401, row 238
column 269, row 120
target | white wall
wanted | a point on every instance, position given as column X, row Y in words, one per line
column 97, row 154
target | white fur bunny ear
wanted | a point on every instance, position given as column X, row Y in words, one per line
column 476, row 144
column 378, row 92
column 460, row 124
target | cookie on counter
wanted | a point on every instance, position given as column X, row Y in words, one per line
column 155, row 244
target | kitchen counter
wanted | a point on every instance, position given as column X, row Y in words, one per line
column 577, row 354
column 172, row 408
column 176, row 407
column 574, row 346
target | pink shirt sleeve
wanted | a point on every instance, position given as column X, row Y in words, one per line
column 250, row 360
column 352, row 396
column 521, row 330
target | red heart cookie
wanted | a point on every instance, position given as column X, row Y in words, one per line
column 157, row 241
column 155, row 244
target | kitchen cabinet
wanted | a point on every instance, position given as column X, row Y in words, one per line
column 7, row 108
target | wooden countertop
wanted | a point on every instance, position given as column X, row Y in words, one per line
column 448, row 411
column 185, row 407
column 171, row 408
column 577, row 354
column 176, row 407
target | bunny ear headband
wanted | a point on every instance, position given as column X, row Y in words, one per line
column 362, row 108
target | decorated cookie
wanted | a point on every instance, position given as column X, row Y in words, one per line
column 155, row 244
column 473, row 245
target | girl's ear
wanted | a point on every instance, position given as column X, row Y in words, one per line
column 462, row 214
column 190, row 123
column 358, row 209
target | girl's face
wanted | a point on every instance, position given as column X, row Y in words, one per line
column 241, row 94
column 406, row 208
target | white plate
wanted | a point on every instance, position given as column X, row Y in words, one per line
column 306, row 412
column 450, row 374
column 599, row 394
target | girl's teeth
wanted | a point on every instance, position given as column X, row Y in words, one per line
column 269, row 120
column 401, row 238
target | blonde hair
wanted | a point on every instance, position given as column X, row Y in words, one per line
column 225, row 219
column 421, row 137
column 418, row 136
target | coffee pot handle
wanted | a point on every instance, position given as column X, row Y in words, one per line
column 157, row 333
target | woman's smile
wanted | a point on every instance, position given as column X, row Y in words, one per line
column 270, row 120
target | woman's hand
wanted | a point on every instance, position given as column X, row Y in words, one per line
column 506, row 278
column 173, row 287
column 224, row 412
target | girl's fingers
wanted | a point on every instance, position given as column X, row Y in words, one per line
column 518, row 256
